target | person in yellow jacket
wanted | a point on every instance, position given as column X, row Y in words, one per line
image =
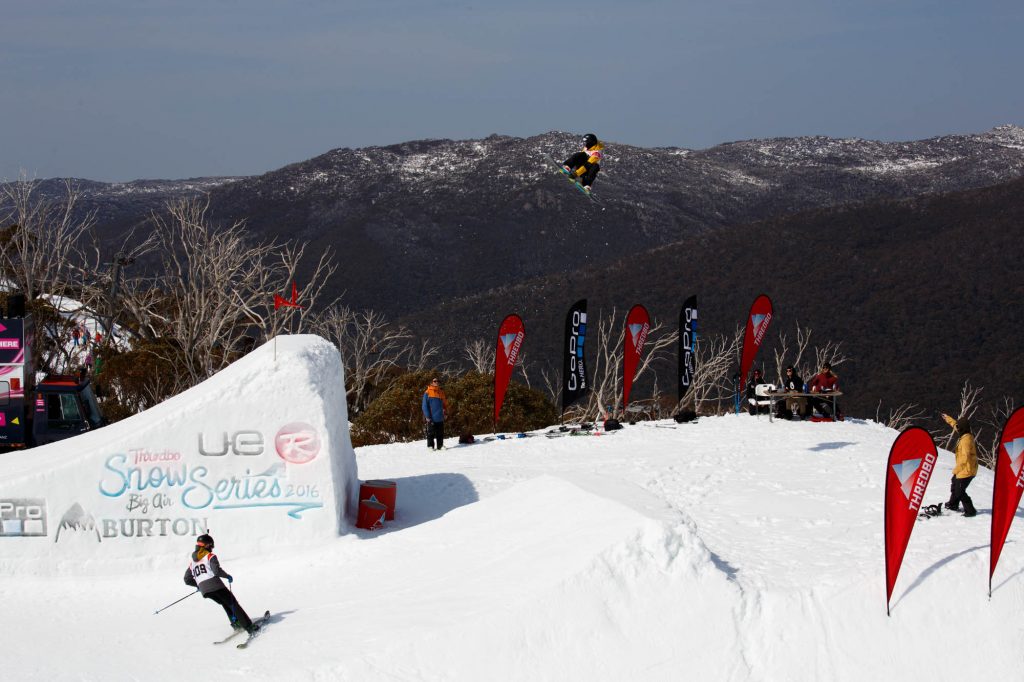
column 584, row 165
column 966, row 466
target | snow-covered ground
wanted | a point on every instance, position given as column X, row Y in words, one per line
column 727, row 549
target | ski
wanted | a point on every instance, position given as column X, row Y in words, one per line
column 260, row 624
column 230, row 637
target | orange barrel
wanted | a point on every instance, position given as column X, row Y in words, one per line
column 380, row 491
column 371, row 515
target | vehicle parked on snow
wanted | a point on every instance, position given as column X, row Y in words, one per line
column 58, row 407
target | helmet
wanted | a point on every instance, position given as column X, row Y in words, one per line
column 589, row 140
column 205, row 540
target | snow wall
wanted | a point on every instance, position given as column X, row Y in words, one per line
column 259, row 454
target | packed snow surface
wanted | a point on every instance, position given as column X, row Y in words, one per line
column 732, row 548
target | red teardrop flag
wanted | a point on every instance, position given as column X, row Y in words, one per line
column 638, row 324
column 1008, row 486
column 911, row 463
column 510, row 339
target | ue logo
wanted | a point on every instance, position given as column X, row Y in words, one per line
column 297, row 443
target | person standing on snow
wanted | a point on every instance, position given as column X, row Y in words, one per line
column 435, row 409
column 966, row 466
column 584, row 165
column 204, row 572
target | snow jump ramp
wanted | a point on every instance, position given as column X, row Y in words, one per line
column 259, row 453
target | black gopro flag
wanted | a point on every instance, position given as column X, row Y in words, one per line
column 574, row 368
column 687, row 345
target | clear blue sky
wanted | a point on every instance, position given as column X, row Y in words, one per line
column 125, row 89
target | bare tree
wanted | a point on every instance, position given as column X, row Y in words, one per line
column 480, row 355
column 712, row 383
column 996, row 419
column 900, row 417
column 422, row 357
column 802, row 341
column 607, row 383
column 970, row 401
column 370, row 346
column 831, row 352
column 218, row 286
column 521, row 361
column 552, row 382
column 42, row 242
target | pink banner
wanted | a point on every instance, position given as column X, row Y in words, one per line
column 911, row 463
column 510, row 339
column 638, row 324
column 1009, row 483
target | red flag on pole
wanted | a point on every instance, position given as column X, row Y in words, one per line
column 757, row 324
column 280, row 302
column 911, row 462
column 1008, row 486
column 638, row 324
column 510, row 339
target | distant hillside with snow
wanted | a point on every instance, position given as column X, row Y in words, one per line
column 482, row 213
column 476, row 214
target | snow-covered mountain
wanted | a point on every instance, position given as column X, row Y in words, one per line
column 459, row 207
column 462, row 207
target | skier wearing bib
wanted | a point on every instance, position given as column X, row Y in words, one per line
column 584, row 165
column 204, row 572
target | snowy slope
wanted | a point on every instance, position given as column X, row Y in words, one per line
column 728, row 549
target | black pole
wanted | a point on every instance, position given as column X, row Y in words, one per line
column 175, row 602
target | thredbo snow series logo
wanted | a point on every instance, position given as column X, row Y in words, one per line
column 912, row 484
column 638, row 333
column 759, row 323
column 1015, row 454
column 165, row 492
column 511, row 343
column 23, row 518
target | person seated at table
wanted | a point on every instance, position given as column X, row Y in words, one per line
column 824, row 381
column 757, row 404
column 796, row 406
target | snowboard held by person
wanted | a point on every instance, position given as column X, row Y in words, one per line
column 204, row 572
column 584, row 165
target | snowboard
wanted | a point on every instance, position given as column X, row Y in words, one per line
column 565, row 174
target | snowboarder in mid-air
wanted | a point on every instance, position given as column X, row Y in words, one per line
column 204, row 572
column 584, row 165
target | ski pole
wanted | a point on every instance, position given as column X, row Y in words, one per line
column 175, row 602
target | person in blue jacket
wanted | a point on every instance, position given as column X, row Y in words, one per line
column 435, row 409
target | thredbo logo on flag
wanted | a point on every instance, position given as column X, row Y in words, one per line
column 510, row 339
column 911, row 463
column 1008, row 486
column 574, row 367
column 687, row 345
column 638, row 323
column 757, row 324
